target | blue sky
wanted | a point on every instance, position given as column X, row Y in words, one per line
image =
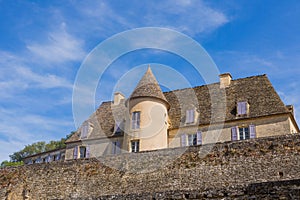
column 43, row 44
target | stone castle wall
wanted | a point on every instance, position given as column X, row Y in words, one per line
column 258, row 168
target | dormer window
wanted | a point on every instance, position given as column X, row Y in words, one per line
column 119, row 127
column 242, row 108
column 190, row 116
column 135, row 123
column 85, row 130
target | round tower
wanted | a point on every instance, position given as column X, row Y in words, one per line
column 147, row 123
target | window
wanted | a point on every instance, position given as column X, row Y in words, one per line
column 118, row 128
column 135, row 146
column 190, row 116
column 191, row 139
column 242, row 108
column 116, row 147
column 57, row 157
column 84, row 131
column 136, row 120
column 82, row 151
column 48, row 158
column 243, row 133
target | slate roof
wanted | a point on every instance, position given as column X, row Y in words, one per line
column 207, row 99
column 148, row 87
column 256, row 90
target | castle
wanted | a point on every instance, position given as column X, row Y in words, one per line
column 150, row 119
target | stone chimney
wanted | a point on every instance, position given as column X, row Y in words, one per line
column 290, row 108
column 118, row 97
column 225, row 80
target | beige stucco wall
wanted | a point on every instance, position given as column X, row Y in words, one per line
column 293, row 127
column 265, row 126
column 69, row 152
column 152, row 133
column 98, row 147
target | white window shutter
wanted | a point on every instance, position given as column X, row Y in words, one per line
column 75, row 152
column 192, row 116
column 183, row 140
column 239, row 108
column 138, row 119
column 187, row 116
column 199, row 137
column 242, row 108
column 87, row 151
column 252, row 131
column 234, row 133
column 84, row 131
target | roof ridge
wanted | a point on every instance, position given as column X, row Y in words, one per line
column 210, row 84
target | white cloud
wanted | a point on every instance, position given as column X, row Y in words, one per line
column 188, row 16
column 16, row 77
column 191, row 17
column 25, row 99
column 19, row 128
column 58, row 47
column 39, row 69
column 42, row 81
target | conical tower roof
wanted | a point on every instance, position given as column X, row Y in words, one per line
column 148, row 87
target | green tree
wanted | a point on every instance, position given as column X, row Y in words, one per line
column 31, row 149
column 38, row 147
column 55, row 145
column 9, row 163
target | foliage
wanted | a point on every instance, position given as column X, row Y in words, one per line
column 9, row 163
column 37, row 147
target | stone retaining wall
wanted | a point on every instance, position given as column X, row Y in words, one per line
column 225, row 170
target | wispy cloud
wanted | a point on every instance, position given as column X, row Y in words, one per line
column 42, row 81
column 191, row 17
column 59, row 47
column 16, row 77
column 31, row 92
column 18, row 128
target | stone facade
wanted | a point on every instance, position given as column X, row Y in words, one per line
column 251, row 169
column 219, row 112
